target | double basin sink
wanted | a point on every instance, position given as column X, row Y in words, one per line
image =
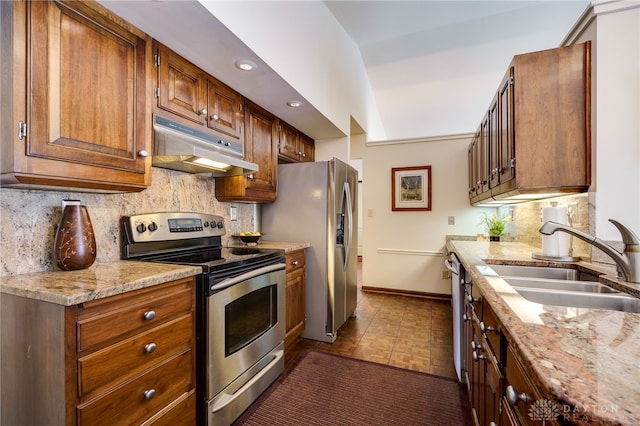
column 565, row 287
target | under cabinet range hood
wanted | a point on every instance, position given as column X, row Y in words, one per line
column 179, row 147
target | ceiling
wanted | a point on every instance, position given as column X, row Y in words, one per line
column 389, row 33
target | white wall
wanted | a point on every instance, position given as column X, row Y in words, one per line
column 404, row 250
column 614, row 29
column 318, row 59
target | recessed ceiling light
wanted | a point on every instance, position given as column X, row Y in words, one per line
column 245, row 65
column 294, row 104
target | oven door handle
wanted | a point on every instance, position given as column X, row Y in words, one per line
column 226, row 283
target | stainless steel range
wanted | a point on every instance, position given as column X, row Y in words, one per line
column 240, row 306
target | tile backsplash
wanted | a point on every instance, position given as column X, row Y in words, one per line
column 28, row 218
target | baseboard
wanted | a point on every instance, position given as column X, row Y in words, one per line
column 423, row 295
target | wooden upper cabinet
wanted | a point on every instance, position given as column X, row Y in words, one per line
column 294, row 146
column 260, row 147
column 225, row 111
column 289, row 142
column 536, row 135
column 188, row 92
column 83, row 106
column 307, row 149
column 182, row 87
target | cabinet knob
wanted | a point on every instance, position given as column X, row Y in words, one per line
column 149, row 315
column 215, row 117
column 203, row 111
column 472, row 299
column 295, row 263
column 150, row 347
column 143, row 153
column 514, row 397
column 149, row 394
column 250, row 176
column 477, row 357
column 485, row 328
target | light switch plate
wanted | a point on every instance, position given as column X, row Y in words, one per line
column 233, row 213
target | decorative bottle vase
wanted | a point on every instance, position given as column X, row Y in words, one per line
column 75, row 243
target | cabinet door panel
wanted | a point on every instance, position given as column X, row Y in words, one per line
column 182, row 86
column 225, row 111
column 289, row 142
column 307, row 147
column 262, row 150
column 86, row 83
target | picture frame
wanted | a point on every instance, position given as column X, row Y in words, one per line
column 411, row 188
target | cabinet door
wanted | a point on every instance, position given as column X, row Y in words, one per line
column 506, row 136
column 295, row 306
column 86, row 100
column 182, row 86
column 494, row 145
column 483, row 154
column 261, row 147
column 289, row 142
column 307, row 148
column 225, row 111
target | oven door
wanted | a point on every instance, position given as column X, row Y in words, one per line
column 245, row 323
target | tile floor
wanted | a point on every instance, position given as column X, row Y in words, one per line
column 403, row 331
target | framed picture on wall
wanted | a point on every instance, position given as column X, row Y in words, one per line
column 411, row 188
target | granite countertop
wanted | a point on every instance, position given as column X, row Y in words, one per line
column 279, row 245
column 100, row 280
column 586, row 359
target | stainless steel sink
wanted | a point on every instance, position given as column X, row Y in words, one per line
column 565, row 285
column 543, row 272
column 610, row 301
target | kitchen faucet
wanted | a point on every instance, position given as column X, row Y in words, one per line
column 628, row 262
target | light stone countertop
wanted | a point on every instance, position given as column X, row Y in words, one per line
column 587, row 360
column 278, row 245
column 98, row 281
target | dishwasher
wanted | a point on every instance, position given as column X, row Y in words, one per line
column 458, row 282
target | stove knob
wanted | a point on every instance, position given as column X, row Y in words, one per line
column 220, row 225
column 206, row 224
column 141, row 228
column 153, row 227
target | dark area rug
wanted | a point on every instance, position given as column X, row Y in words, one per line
column 326, row 389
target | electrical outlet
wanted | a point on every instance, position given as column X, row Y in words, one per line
column 452, row 220
column 572, row 213
column 233, row 213
column 445, row 275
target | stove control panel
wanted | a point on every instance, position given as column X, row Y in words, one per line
column 171, row 226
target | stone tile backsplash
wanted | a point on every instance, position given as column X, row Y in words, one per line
column 28, row 218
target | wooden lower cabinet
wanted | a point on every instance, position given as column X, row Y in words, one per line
column 501, row 391
column 295, row 296
column 125, row 359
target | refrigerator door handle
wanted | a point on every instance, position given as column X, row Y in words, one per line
column 349, row 236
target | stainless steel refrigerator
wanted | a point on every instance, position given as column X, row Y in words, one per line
column 317, row 203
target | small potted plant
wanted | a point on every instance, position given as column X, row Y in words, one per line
column 495, row 225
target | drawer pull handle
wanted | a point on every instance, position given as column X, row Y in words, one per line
column 150, row 347
column 514, row 397
column 295, row 263
column 149, row 394
column 149, row 315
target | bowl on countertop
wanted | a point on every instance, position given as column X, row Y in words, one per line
column 247, row 239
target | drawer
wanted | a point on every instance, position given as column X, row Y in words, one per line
column 127, row 404
column 181, row 412
column 295, row 260
column 139, row 311
column 516, row 379
column 492, row 331
column 103, row 369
